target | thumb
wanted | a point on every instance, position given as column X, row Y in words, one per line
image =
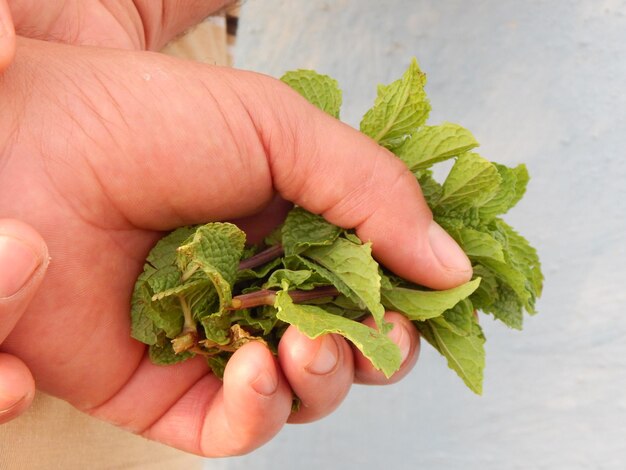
column 23, row 261
column 7, row 36
column 331, row 169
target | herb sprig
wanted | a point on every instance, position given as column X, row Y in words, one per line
column 204, row 292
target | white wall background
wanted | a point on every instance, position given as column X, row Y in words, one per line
column 541, row 82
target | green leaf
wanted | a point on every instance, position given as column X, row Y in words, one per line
column 522, row 255
column 400, row 108
column 300, row 279
column 487, row 292
column 314, row 321
column 521, row 181
column 459, row 319
column 432, row 144
column 508, row 194
column 520, row 273
column 164, row 252
column 472, row 182
column 354, row 266
column 163, row 354
column 477, row 245
column 465, row 353
column 142, row 326
column 217, row 327
column 422, row 305
column 215, row 245
column 302, row 230
column 318, row 89
column 431, row 189
column 258, row 319
column 218, row 363
column 260, row 272
column 215, row 250
column 148, row 317
column 507, row 307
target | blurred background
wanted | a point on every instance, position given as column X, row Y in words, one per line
column 540, row 82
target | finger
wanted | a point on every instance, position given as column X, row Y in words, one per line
column 23, row 261
column 227, row 143
column 250, row 408
column 330, row 169
column 147, row 385
column 7, row 36
column 163, row 21
column 17, row 387
column 405, row 335
column 319, row 371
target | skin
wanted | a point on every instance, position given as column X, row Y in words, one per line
column 107, row 147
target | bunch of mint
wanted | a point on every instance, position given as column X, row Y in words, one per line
column 204, row 292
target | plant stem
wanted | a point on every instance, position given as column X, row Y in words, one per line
column 268, row 297
column 190, row 272
column 262, row 257
column 189, row 325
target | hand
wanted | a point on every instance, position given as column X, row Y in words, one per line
column 105, row 149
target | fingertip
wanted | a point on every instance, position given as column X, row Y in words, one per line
column 454, row 263
column 17, row 387
column 255, row 404
column 255, row 366
column 405, row 335
column 320, row 372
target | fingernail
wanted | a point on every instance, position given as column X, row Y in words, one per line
column 400, row 336
column 13, row 405
column 265, row 383
column 449, row 254
column 18, row 262
column 326, row 357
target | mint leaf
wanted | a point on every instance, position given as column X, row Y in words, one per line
column 507, row 306
column 465, row 353
column 431, row 189
column 260, row 320
column 400, row 108
column 164, row 252
column 521, row 181
column 422, row 305
column 471, row 183
column 214, row 250
column 487, row 292
column 142, row 326
column 478, row 245
column 197, row 275
column 354, row 266
column 300, row 279
column 320, row 90
column 302, row 230
column 432, row 144
column 259, row 272
column 523, row 256
column 163, row 354
column 314, row 321
column 218, row 363
column 214, row 247
column 459, row 319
